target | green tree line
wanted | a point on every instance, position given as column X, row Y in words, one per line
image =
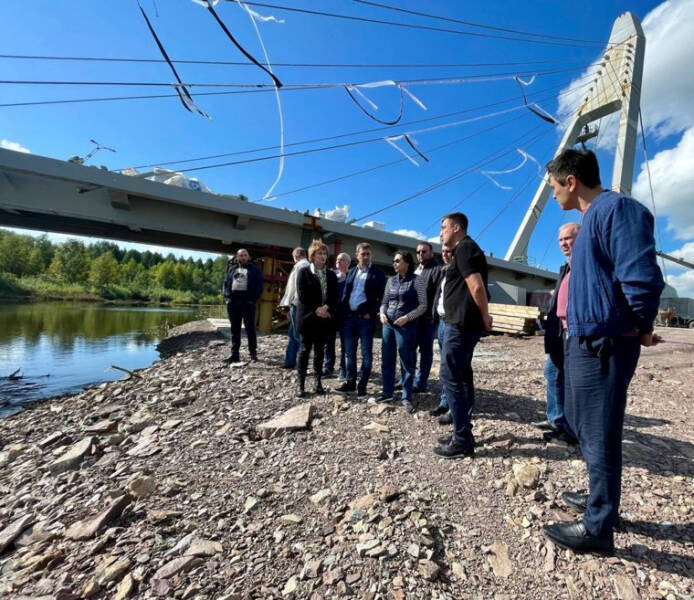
column 31, row 266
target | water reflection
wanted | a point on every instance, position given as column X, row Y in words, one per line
column 61, row 347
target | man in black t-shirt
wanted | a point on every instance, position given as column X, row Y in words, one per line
column 465, row 302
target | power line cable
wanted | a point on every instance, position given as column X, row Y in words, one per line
column 457, row 175
column 650, row 186
column 503, row 209
column 391, row 163
column 454, row 80
column 474, row 24
column 286, row 64
column 332, row 147
column 148, row 96
column 363, row 131
column 419, row 27
column 460, row 174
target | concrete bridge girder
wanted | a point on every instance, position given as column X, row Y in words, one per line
column 51, row 195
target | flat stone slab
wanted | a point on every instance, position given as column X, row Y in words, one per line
column 72, row 459
column 83, row 530
column 13, row 531
column 297, row 417
column 177, row 565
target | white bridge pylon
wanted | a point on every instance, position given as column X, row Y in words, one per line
column 616, row 87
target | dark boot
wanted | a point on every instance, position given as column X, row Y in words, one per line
column 301, row 386
column 318, row 388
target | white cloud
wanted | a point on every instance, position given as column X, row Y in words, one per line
column 682, row 279
column 410, row 233
column 434, row 239
column 666, row 97
column 683, row 283
column 672, row 173
column 16, row 146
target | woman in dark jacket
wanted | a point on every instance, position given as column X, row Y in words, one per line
column 404, row 301
column 316, row 312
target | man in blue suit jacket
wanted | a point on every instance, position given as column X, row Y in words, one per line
column 361, row 302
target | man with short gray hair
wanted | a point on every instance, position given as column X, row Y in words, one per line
column 556, row 426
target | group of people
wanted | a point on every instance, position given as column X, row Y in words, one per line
column 601, row 312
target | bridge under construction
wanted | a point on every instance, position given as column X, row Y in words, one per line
column 52, row 195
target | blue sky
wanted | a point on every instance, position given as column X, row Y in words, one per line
column 161, row 130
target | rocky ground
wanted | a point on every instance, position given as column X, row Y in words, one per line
column 166, row 484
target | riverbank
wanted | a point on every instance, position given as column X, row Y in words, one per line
column 35, row 289
column 165, row 483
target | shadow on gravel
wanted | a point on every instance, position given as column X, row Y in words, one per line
column 675, row 532
column 679, row 564
column 656, row 453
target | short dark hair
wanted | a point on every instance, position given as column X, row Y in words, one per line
column 582, row 164
column 426, row 244
column 457, row 217
column 363, row 246
column 407, row 257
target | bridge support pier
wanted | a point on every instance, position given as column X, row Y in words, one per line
column 267, row 299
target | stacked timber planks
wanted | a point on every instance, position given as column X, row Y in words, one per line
column 511, row 318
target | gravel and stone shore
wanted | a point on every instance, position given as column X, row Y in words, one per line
column 167, row 484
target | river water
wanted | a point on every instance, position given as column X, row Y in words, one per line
column 63, row 347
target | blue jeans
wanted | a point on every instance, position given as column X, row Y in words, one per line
column 242, row 311
column 456, row 375
column 357, row 329
column 439, row 335
column 329, row 364
column 598, row 372
column 398, row 341
column 554, row 376
column 293, row 341
column 425, row 344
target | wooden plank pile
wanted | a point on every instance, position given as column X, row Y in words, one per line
column 511, row 318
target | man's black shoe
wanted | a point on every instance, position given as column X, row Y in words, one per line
column 559, row 435
column 544, row 425
column 455, row 450
column 409, row 407
column 576, row 501
column 232, row 359
column 579, row 503
column 419, row 390
column 444, row 440
column 446, row 419
column 576, row 537
column 397, row 387
column 438, row 411
column 384, row 397
column 361, row 390
column 254, row 359
column 347, row 386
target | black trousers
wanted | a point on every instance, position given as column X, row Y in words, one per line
column 313, row 339
column 597, row 376
column 242, row 311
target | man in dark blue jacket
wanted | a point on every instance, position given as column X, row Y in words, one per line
column 361, row 303
column 609, row 303
column 242, row 288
